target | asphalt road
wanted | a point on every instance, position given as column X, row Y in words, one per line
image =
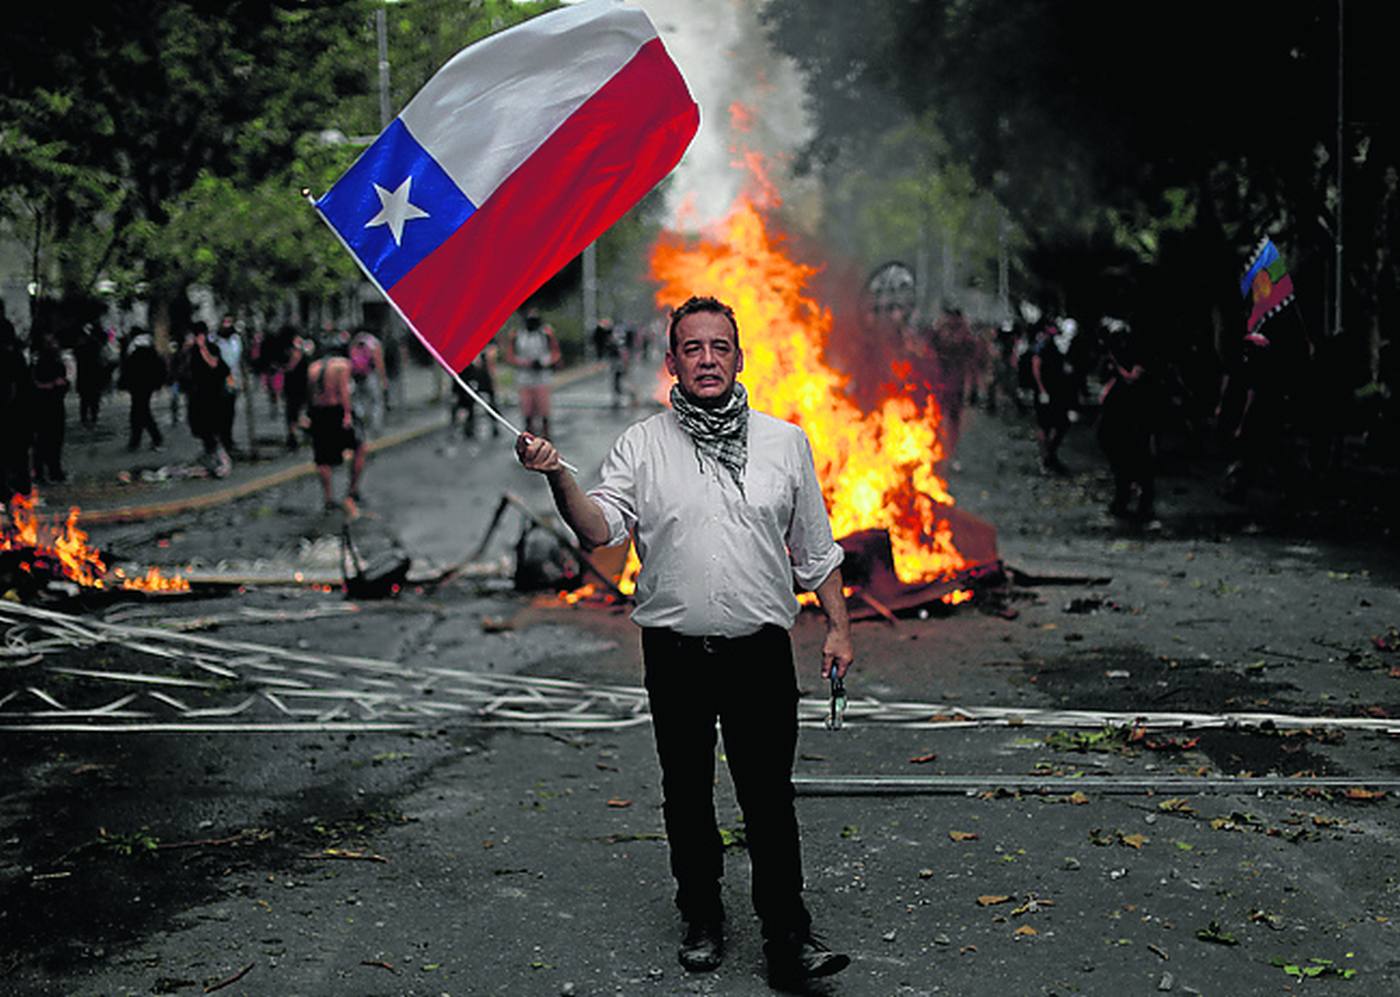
column 443, row 855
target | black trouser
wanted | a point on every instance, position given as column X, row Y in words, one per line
column 49, row 425
column 749, row 684
column 142, row 420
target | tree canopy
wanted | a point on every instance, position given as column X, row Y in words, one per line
column 1140, row 151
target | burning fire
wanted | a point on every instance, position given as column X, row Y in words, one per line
column 69, row 550
column 876, row 468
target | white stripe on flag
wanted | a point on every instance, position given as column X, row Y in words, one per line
column 497, row 101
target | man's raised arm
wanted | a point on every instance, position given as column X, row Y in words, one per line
column 582, row 514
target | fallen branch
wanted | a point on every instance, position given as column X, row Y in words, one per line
column 236, row 839
column 346, row 855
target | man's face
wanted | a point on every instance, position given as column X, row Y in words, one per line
column 706, row 359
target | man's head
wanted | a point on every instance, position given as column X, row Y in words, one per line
column 704, row 355
column 533, row 320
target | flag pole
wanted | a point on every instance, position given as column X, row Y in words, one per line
column 432, row 350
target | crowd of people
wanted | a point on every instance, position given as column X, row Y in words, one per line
column 1273, row 406
column 204, row 374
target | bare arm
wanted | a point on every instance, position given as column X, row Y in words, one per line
column 837, row 651
column 582, row 514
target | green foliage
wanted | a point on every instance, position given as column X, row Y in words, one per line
column 162, row 144
column 1126, row 190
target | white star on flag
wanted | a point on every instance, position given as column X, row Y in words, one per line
column 395, row 209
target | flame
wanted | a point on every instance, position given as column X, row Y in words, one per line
column 877, row 468
column 79, row 561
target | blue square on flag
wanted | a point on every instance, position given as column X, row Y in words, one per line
column 395, row 205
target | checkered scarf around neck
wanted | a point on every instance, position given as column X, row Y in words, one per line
column 721, row 434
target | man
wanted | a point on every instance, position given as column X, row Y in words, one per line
column 534, row 352
column 726, row 512
column 480, row 376
column 143, row 373
column 371, row 380
column 230, row 346
column 16, row 413
column 333, row 426
column 209, row 385
column 1052, row 402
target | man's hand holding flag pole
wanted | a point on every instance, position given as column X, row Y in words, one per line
column 520, row 152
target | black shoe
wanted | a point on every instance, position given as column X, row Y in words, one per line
column 702, row 949
column 792, row 961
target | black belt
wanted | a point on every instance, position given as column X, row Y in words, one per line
column 709, row 644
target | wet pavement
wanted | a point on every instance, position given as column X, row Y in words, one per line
column 393, row 813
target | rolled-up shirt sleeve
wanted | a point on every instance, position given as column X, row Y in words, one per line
column 812, row 549
column 616, row 492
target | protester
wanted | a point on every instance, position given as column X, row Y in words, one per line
column 51, row 381
column 334, row 426
column 371, row 379
column 294, row 382
column 230, row 346
column 142, row 374
column 480, row 375
column 621, row 342
column 1053, row 389
column 16, row 410
column 534, row 353
column 94, row 372
column 602, row 338
column 727, row 515
column 1128, row 414
column 209, row 389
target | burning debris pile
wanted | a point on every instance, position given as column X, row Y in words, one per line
column 37, row 555
column 906, row 544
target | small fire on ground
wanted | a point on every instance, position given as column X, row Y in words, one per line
column 877, row 465
column 45, row 550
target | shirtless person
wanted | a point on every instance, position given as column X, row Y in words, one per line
column 333, row 428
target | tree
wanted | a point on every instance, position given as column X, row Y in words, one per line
column 148, row 100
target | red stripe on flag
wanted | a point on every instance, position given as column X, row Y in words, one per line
column 1278, row 294
column 603, row 159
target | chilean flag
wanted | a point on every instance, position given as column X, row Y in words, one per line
column 515, row 156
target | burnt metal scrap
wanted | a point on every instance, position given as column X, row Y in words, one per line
column 199, row 683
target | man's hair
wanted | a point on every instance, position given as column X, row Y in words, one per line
column 700, row 304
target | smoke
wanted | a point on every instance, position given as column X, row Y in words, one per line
column 723, row 53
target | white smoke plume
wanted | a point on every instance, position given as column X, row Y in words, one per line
column 723, row 53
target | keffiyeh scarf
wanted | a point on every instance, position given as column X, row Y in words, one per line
column 721, row 434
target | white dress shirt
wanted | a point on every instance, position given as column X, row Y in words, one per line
column 715, row 563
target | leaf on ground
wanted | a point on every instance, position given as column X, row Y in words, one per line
column 1358, row 793
column 963, row 835
column 1176, row 805
column 1214, row 933
column 924, row 759
column 1134, row 840
column 1025, row 931
column 619, row 803
column 991, row 899
column 1077, row 798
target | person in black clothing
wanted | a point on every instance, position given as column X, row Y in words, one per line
column 16, row 401
column 210, row 388
column 1127, row 417
column 1052, row 397
column 294, row 385
column 480, row 375
column 92, row 373
column 143, row 373
column 50, row 411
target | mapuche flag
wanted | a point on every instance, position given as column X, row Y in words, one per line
column 515, row 156
column 1266, row 284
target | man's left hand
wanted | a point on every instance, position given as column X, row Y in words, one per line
column 837, row 653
